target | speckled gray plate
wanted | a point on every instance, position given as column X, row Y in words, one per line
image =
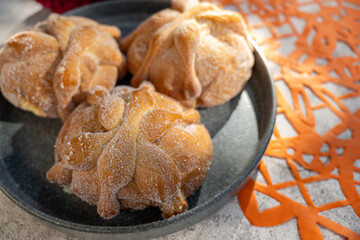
column 240, row 129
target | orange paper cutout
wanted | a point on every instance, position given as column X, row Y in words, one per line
column 325, row 27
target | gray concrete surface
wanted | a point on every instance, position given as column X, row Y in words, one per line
column 228, row 223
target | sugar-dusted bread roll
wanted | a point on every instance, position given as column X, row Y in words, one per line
column 51, row 68
column 195, row 52
column 130, row 149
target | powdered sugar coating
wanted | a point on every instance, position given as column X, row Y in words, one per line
column 154, row 152
column 50, row 69
column 194, row 52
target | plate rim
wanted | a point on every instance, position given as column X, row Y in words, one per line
column 263, row 143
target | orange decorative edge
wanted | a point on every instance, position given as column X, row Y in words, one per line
column 314, row 61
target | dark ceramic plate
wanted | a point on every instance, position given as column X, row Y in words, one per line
column 240, row 129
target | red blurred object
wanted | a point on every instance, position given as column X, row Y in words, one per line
column 61, row 6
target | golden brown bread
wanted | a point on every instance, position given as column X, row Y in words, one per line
column 51, row 68
column 130, row 149
column 195, row 53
